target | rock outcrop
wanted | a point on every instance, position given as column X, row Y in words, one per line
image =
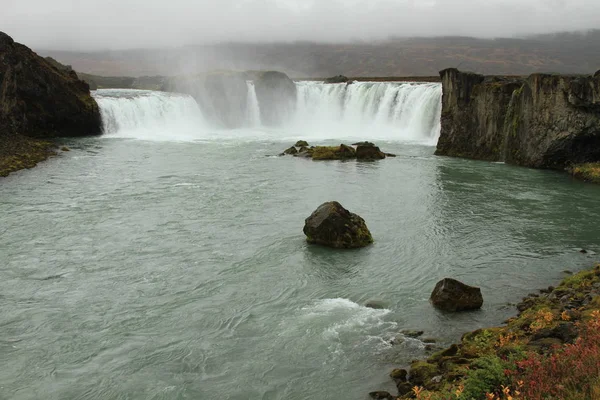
column 332, row 225
column 41, row 98
column 221, row 95
column 543, row 121
column 337, row 79
column 276, row 94
column 452, row 295
column 365, row 151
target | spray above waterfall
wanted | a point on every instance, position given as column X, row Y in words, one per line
column 361, row 110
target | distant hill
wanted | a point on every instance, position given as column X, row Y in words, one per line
column 568, row 53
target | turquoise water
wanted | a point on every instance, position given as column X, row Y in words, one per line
column 137, row 269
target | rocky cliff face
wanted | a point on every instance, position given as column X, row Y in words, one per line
column 276, row 94
column 39, row 98
column 543, row 121
column 222, row 95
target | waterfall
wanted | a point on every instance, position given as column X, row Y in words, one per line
column 253, row 111
column 148, row 114
column 362, row 110
column 368, row 110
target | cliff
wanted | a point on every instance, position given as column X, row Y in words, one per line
column 41, row 98
column 543, row 121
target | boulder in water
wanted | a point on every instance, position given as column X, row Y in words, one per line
column 369, row 153
column 301, row 143
column 276, row 94
column 337, row 79
column 452, row 295
column 341, row 152
column 292, row 150
column 332, row 225
column 365, row 143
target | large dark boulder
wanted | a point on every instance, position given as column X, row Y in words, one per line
column 332, row 225
column 222, row 95
column 42, row 98
column 337, row 79
column 452, row 295
column 369, row 152
column 276, row 94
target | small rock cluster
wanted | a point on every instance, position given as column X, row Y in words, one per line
column 365, row 151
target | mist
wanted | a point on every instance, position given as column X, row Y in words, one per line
column 122, row 24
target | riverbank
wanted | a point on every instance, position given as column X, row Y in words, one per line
column 19, row 152
column 551, row 349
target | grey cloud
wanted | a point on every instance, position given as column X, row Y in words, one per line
column 118, row 24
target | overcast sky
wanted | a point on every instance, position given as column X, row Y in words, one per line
column 118, row 24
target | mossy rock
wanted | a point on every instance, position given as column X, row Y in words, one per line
column 291, row 151
column 341, row 152
column 421, row 372
column 332, row 225
column 301, row 143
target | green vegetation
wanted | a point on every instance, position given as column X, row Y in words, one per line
column 551, row 350
column 589, row 172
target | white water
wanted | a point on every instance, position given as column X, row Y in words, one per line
column 366, row 110
column 144, row 114
column 363, row 110
column 253, row 111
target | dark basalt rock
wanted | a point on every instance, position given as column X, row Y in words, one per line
column 276, row 94
column 222, row 95
column 301, row 143
column 375, row 305
column 412, row 333
column 341, row 152
column 42, row 98
column 452, row 295
column 543, row 121
column 399, row 375
column 363, row 144
column 369, row 153
column 292, row 150
column 337, row 79
column 332, row 225
column 381, row 395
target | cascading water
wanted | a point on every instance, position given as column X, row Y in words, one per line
column 148, row 114
column 253, row 111
column 367, row 110
column 362, row 110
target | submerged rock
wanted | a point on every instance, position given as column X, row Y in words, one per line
column 375, row 304
column 332, row 225
column 412, row 333
column 452, row 295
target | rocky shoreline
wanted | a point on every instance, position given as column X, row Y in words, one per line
column 496, row 362
column 20, row 152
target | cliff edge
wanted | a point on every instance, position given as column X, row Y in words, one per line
column 542, row 121
column 38, row 98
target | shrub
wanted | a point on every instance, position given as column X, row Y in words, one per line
column 570, row 372
column 489, row 373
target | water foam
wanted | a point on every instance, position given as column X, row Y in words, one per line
column 362, row 110
column 370, row 110
column 145, row 114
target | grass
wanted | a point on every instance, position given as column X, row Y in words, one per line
column 589, row 172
